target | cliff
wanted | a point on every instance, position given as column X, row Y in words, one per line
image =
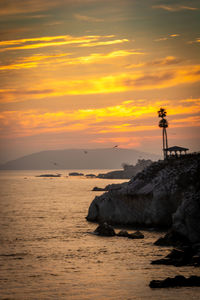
column 128, row 170
column 164, row 194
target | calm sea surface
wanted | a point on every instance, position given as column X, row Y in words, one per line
column 47, row 250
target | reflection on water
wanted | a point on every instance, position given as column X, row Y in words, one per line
column 47, row 250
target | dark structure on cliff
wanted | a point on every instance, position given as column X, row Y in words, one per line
column 168, row 152
column 175, row 151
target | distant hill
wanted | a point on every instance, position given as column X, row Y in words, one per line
column 108, row 158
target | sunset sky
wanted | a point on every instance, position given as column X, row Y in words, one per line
column 94, row 73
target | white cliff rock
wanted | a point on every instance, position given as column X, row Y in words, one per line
column 157, row 196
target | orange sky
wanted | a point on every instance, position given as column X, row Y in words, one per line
column 94, row 73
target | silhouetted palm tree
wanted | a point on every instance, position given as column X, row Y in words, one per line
column 163, row 124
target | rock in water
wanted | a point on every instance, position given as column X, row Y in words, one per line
column 177, row 281
column 76, row 174
column 123, row 233
column 172, row 238
column 49, row 175
column 90, row 176
column 136, row 235
column 98, row 189
column 104, row 229
column 180, row 257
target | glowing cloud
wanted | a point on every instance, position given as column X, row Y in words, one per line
column 174, row 8
column 115, row 83
column 166, row 61
column 87, row 18
column 175, row 35
column 41, row 42
column 93, row 44
column 38, row 60
column 126, row 117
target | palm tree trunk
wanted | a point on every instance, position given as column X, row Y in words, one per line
column 166, row 138
column 165, row 142
column 163, row 136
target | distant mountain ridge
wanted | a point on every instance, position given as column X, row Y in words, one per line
column 106, row 158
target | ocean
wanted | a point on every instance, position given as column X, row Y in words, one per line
column 48, row 251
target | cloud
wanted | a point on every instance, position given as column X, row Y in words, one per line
column 169, row 60
column 33, row 61
column 175, row 8
column 10, row 7
column 127, row 81
column 174, row 35
column 87, row 18
column 195, row 41
column 64, row 59
column 114, row 83
column 45, row 39
column 150, row 80
column 166, row 61
column 105, row 43
column 124, row 118
column 14, row 95
column 41, row 42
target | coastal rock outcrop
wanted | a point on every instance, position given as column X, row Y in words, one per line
column 177, row 281
column 128, row 170
column 134, row 235
column 164, row 194
column 49, row 175
column 98, row 189
column 76, row 174
column 185, row 256
column 114, row 186
column 104, row 229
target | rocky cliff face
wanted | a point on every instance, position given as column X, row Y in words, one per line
column 165, row 193
column 128, row 170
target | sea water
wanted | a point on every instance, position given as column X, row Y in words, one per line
column 48, row 251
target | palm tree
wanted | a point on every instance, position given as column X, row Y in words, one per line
column 163, row 124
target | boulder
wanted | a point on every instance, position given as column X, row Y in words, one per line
column 49, row 175
column 104, row 229
column 90, row 176
column 76, row 174
column 123, row 233
column 180, row 257
column 177, row 281
column 136, row 235
column 98, row 189
column 172, row 238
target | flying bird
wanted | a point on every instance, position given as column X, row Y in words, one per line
column 85, row 152
column 115, row 146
